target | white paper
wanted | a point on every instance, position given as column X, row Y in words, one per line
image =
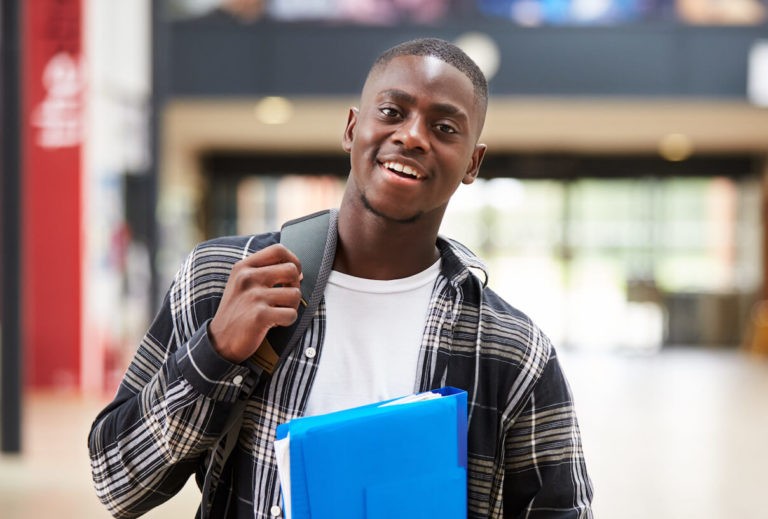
column 418, row 397
column 283, row 454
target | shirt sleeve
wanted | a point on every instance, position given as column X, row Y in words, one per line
column 173, row 401
column 545, row 475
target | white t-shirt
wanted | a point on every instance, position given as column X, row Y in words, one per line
column 372, row 339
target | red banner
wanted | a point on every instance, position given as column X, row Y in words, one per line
column 52, row 90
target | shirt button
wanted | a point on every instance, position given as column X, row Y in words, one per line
column 237, row 380
column 275, row 511
column 310, row 353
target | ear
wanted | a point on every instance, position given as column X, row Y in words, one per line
column 474, row 165
column 349, row 131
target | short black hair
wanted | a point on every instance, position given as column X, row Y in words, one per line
column 444, row 51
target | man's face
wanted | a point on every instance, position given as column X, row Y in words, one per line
column 413, row 139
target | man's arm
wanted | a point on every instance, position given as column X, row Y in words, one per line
column 545, row 473
column 179, row 390
column 145, row 444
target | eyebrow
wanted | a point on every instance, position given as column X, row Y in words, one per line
column 406, row 98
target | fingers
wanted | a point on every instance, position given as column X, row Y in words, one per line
column 263, row 291
column 274, row 265
column 272, row 255
column 280, row 316
column 281, row 297
column 244, row 317
column 244, row 278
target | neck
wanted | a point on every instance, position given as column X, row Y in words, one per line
column 372, row 247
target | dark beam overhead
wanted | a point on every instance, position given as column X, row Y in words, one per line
column 217, row 57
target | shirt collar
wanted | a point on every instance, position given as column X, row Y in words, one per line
column 459, row 262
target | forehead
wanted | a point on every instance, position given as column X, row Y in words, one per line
column 424, row 77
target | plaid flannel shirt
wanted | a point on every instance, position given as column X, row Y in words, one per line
column 525, row 456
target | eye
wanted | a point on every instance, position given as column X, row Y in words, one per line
column 445, row 128
column 388, row 111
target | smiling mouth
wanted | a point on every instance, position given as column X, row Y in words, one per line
column 402, row 170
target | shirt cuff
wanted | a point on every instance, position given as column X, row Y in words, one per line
column 209, row 373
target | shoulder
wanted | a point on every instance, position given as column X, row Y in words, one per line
column 517, row 349
column 228, row 250
column 505, row 332
column 507, row 336
column 235, row 247
column 513, row 329
column 199, row 283
column 211, row 261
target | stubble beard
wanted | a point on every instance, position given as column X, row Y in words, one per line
column 403, row 221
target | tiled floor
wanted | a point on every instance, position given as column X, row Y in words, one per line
column 52, row 477
column 680, row 434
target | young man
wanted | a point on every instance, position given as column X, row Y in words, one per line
column 401, row 313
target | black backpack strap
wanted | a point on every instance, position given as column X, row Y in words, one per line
column 313, row 239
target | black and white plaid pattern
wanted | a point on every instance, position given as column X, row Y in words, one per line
column 525, row 454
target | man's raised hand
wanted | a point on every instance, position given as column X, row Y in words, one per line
column 262, row 292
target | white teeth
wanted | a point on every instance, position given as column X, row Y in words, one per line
column 401, row 168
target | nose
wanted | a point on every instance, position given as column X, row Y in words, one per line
column 413, row 134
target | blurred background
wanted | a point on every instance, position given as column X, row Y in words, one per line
column 623, row 205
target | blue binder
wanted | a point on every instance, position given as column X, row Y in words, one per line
column 381, row 461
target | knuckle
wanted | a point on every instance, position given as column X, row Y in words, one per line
column 260, row 310
column 241, row 278
column 289, row 317
column 293, row 270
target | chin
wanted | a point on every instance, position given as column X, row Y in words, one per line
column 402, row 219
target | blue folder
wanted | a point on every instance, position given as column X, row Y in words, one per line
column 381, row 461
